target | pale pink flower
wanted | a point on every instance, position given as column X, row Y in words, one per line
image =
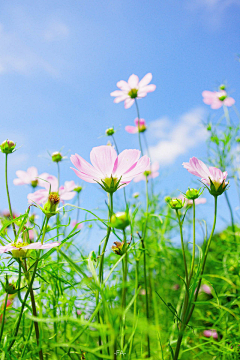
column 133, row 89
column 29, row 177
column 31, row 234
column 217, row 99
column 210, row 333
column 189, row 202
column 206, row 289
column 66, row 192
column 108, row 168
column 79, row 226
column 198, row 168
column 20, row 245
column 151, row 172
column 134, row 129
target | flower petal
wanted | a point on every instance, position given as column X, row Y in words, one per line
column 85, row 177
column 145, row 80
column 128, row 103
column 32, row 172
column 124, row 162
column 148, row 88
column 141, row 122
column 229, row 101
column 116, row 93
column 84, row 167
column 123, row 85
column 120, row 98
column 103, row 158
column 130, row 129
column 140, row 167
column 133, row 81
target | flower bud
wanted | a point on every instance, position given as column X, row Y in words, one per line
column 217, row 188
column 120, row 220
column 167, row 198
column 192, row 194
column 56, row 156
column 9, row 288
column 7, row 146
column 50, row 208
column 176, row 204
column 110, row 131
column 222, row 87
column 136, row 195
column 78, row 189
column 209, row 126
column 120, row 247
column 34, row 183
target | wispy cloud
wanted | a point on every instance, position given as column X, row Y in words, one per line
column 176, row 138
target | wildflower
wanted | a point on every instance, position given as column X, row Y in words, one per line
column 151, row 172
column 120, row 220
column 65, row 192
column 78, row 225
column 7, row 147
column 29, row 177
column 133, row 89
column 217, row 99
column 140, row 126
column 21, row 249
column 109, row 170
column 213, row 177
column 57, row 156
column 210, row 333
column 206, row 289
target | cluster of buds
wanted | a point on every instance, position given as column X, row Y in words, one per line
column 8, row 147
column 120, row 220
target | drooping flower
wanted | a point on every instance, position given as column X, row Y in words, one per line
column 65, row 192
column 108, row 169
column 140, row 125
column 210, row 333
column 212, row 176
column 30, row 177
column 133, row 89
column 151, row 172
column 217, row 99
column 20, row 249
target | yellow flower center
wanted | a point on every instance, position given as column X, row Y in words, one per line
column 111, row 182
column 133, row 93
column 20, row 245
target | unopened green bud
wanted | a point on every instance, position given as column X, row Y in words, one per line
column 167, row 199
column 57, row 156
column 110, row 132
column 34, row 183
column 78, row 189
column 9, row 288
column 222, row 87
column 7, row 146
column 193, row 194
column 176, row 204
column 136, row 195
column 120, row 220
column 50, row 208
column 237, row 139
column 209, row 127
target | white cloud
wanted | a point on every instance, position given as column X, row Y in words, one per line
column 175, row 139
column 56, row 31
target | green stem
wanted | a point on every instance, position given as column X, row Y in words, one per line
column 194, row 240
column 139, row 134
column 231, row 214
column 183, row 249
column 124, row 290
column 8, row 196
column 3, row 316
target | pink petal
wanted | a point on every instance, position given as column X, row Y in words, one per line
column 85, row 177
column 154, row 166
column 120, row 98
column 23, row 175
column 68, row 195
column 133, row 81
column 130, row 129
column 139, row 178
column 128, row 103
column 123, row 85
column 32, row 172
column 229, row 101
column 141, row 94
column 6, row 248
column 148, row 88
column 117, row 93
column 145, row 80
column 153, row 175
column 103, row 158
column 141, row 122
column 69, row 185
column 216, row 104
column 41, row 179
column 140, row 167
column 84, row 167
column 19, row 182
column 39, row 246
column 125, row 160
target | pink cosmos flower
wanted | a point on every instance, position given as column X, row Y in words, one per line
column 217, row 99
column 20, row 245
column 74, row 223
column 133, row 89
column 151, row 172
column 65, row 192
column 207, row 175
column 134, row 129
column 198, row 201
column 206, row 289
column 210, row 333
column 109, row 169
column 29, row 177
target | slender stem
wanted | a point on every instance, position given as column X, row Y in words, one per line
column 139, row 134
column 231, row 214
column 146, row 290
column 183, row 249
column 78, row 204
column 3, row 316
column 8, row 196
column 194, row 241
column 124, row 289
column 115, row 144
column 58, row 168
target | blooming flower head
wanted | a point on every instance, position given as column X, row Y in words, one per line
column 151, row 172
column 213, row 177
column 210, row 333
column 140, row 125
column 217, row 99
column 21, row 249
column 133, row 89
column 65, row 192
column 29, row 177
column 108, row 169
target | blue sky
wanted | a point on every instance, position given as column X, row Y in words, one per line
column 60, row 60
